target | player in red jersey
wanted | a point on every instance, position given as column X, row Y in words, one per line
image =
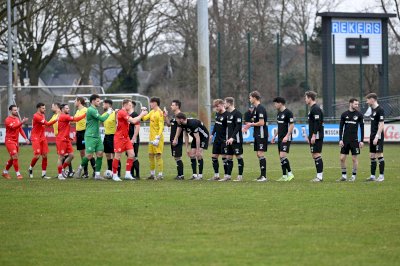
column 63, row 140
column 13, row 129
column 122, row 142
column 38, row 139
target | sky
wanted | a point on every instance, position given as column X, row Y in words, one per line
column 359, row 5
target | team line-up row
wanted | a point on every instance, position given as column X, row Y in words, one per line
column 122, row 137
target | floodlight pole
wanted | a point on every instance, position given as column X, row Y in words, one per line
column 10, row 85
column 204, row 106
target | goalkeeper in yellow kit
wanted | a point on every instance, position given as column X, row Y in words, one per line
column 156, row 138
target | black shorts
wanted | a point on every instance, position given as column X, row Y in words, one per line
column 378, row 148
column 176, row 151
column 136, row 149
column 108, row 143
column 260, row 144
column 80, row 140
column 203, row 144
column 317, row 146
column 218, row 148
column 234, row 149
column 284, row 146
column 352, row 146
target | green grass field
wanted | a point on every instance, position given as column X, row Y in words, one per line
column 84, row 222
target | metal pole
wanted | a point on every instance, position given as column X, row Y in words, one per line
column 219, row 66
column 15, row 46
column 10, row 85
column 278, row 62
column 334, row 75
column 306, row 65
column 361, row 69
column 204, row 106
column 248, row 64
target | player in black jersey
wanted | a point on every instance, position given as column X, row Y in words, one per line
column 176, row 150
column 234, row 142
column 316, row 133
column 134, row 130
column 259, row 122
column 285, row 122
column 348, row 137
column 219, row 134
column 376, row 138
column 196, row 129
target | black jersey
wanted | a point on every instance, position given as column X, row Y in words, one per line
column 132, row 128
column 174, row 127
column 284, row 119
column 259, row 113
column 235, row 126
column 248, row 116
column 349, row 122
column 220, row 127
column 377, row 115
column 196, row 126
column 316, row 122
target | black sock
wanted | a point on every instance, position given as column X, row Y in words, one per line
column 240, row 165
column 283, row 165
column 229, row 164
column 225, row 162
column 194, row 166
column 289, row 169
column 201, row 164
column 263, row 166
column 109, row 164
column 319, row 164
column 179, row 167
column 70, row 164
column 373, row 166
column 215, row 165
column 93, row 164
column 119, row 168
column 381, row 165
column 135, row 169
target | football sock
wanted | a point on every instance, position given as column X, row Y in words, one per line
column 179, row 167
column 381, row 165
column 44, row 164
column 99, row 162
column 373, row 166
column 215, row 165
column 109, row 164
column 15, row 164
column 319, row 164
column 193, row 164
column 201, row 164
column 33, row 162
column 263, row 166
column 240, row 165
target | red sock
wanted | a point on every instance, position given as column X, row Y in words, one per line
column 44, row 164
column 59, row 169
column 33, row 162
column 65, row 165
column 115, row 164
column 16, row 166
column 129, row 163
column 9, row 164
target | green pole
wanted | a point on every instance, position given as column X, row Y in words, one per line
column 278, row 62
column 361, row 69
column 219, row 66
column 248, row 64
column 306, row 66
column 334, row 76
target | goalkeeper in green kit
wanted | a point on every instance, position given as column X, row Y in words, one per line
column 93, row 140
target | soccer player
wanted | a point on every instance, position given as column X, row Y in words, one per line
column 348, row 137
column 234, row 142
column 110, row 126
column 376, row 138
column 316, row 133
column 93, row 141
column 156, row 138
column 38, row 139
column 219, row 134
column 134, row 130
column 122, row 142
column 176, row 150
column 80, row 135
column 63, row 140
column 284, row 131
column 13, row 129
column 200, row 134
column 260, row 132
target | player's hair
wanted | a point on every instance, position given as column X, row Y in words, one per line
column 352, row 100
column 11, row 107
column 39, row 105
column 311, row 94
column 255, row 94
column 134, row 103
column 279, row 100
column 372, row 95
column 155, row 100
column 218, row 102
column 81, row 100
column 63, row 105
column 125, row 101
column 109, row 101
column 177, row 102
column 58, row 105
column 230, row 100
column 180, row 116
column 93, row 97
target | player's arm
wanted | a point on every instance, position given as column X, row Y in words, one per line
column 160, row 124
column 166, row 119
column 197, row 139
column 77, row 118
column 318, row 123
column 362, row 128
column 136, row 133
column 290, row 129
column 21, row 131
column 341, row 127
column 177, row 134
column 97, row 116
column 136, row 120
column 147, row 116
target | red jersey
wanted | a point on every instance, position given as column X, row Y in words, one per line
column 122, row 131
column 64, row 127
column 38, row 125
column 13, row 129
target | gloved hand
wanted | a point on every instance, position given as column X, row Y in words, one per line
column 109, row 111
column 156, row 141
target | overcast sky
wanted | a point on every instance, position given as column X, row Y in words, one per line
column 358, row 5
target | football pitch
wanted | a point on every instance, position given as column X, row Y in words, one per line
column 87, row 222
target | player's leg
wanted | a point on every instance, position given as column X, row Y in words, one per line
column 129, row 163
column 37, row 151
column 238, row 152
column 45, row 151
column 343, row 167
column 136, row 165
column 177, row 154
column 5, row 173
column 193, row 161
column 215, row 162
column 355, row 167
column 152, row 162
column 381, row 161
column 284, row 161
column 200, row 162
column 116, row 162
column 316, row 154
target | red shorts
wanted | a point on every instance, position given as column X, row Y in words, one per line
column 40, row 146
column 64, row 147
column 12, row 147
column 121, row 145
